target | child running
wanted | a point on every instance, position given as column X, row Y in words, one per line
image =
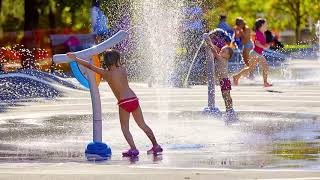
column 255, row 56
column 221, row 70
column 116, row 76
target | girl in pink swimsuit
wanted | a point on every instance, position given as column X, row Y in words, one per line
column 255, row 55
column 117, row 78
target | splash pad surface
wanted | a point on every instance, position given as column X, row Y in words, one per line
column 268, row 135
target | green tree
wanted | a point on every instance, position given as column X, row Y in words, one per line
column 11, row 15
column 297, row 11
column 248, row 9
column 18, row 15
column 56, row 13
column 280, row 14
column 74, row 14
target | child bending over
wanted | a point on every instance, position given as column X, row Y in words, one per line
column 116, row 76
column 221, row 70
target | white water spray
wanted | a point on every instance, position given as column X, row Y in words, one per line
column 158, row 37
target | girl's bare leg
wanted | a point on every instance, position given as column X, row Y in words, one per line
column 245, row 55
column 124, row 121
column 246, row 70
column 227, row 99
column 138, row 117
column 265, row 71
column 246, row 58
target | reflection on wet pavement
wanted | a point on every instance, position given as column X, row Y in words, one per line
column 190, row 139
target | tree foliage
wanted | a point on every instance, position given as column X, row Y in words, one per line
column 11, row 15
column 295, row 14
column 280, row 14
column 18, row 15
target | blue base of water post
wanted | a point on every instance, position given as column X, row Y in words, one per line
column 214, row 111
column 98, row 151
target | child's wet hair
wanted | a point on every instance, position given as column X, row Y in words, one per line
column 230, row 51
column 111, row 57
column 239, row 21
column 259, row 22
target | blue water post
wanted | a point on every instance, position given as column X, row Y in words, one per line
column 96, row 150
column 211, row 108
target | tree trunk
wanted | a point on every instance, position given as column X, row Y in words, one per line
column 52, row 19
column 73, row 16
column 298, row 22
column 31, row 21
column 298, row 30
column 31, row 15
column 1, row 21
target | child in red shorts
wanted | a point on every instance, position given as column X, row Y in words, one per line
column 221, row 58
column 116, row 76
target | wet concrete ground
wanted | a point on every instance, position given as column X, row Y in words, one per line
column 279, row 127
column 190, row 139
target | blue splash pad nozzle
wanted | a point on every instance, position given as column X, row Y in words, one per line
column 98, row 151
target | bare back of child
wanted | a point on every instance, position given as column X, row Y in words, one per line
column 118, row 82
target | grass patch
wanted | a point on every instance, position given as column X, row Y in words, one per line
column 296, row 46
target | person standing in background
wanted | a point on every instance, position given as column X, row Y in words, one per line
column 99, row 21
column 245, row 35
column 223, row 25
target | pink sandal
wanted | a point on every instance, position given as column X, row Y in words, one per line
column 130, row 153
column 155, row 150
column 267, row 85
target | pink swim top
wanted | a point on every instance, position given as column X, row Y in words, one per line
column 259, row 37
